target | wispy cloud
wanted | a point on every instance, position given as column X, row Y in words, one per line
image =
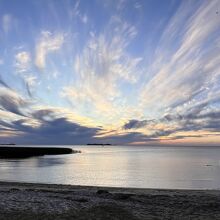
column 23, row 65
column 102, row 65
column 22, row 61
column 47, row 43
column 12, row 102
column 1, row 61
column 6, row 23
column 188, row 71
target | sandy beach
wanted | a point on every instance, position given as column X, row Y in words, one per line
column 47, row 201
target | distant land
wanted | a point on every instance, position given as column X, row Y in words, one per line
column 23, row 152
column 97, row 144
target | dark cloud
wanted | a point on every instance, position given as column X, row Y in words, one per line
column 12, row 103
column 197, row 119
column 28, row 90
column 212, row 125
column 127, row 138
column 50, row 130
column 170, row 117
column 177, row 137
column 60, row 130
column 44, row 114
column 211, row 115
column 135, row 124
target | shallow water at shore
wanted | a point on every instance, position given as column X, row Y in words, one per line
column 122, row 166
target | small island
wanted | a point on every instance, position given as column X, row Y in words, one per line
column 98, row 144
column 23, row 152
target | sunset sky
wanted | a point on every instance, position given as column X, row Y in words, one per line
column 110, row 71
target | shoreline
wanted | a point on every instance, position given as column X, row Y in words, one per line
column 111, row 188
column 52, row 201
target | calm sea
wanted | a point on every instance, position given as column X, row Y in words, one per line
column 122, row 166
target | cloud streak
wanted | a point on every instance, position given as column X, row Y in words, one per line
column 47, row 44
column 6, row 23
column 10, row 101
column 190, row 70
column 101, row 67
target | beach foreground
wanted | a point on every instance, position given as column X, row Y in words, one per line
column 46, row 201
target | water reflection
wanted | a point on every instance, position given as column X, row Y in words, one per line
column 46, row 162
column 141, row 167
column 42, row 161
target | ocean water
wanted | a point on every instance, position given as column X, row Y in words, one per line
column 122, row 166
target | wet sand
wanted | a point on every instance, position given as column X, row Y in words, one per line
column 46, row 201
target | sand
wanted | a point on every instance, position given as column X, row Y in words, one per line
column 44, row 201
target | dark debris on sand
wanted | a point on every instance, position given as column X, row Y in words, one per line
column 39, row 201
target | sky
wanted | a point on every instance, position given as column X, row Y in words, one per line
column 137, row 72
